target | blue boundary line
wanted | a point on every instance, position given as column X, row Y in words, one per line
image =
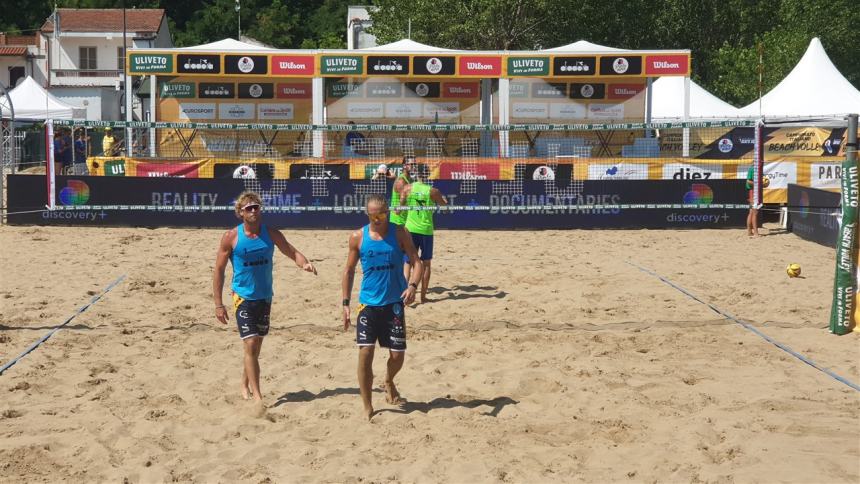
column 80, row 310
column 751, row 328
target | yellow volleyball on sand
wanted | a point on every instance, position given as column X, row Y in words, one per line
column 765, row 182
column 793, row 270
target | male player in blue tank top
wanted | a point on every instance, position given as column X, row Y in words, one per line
column 380, row 246
column 250, row 247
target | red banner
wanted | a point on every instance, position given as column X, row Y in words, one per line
column 293, row 91
column 480, row 66
column 293, row 65
column 172, row 169
column 667, row 64
column 469, row 171
column 624, row 91
column 461, row 90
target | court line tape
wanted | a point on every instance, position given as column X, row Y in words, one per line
column 50, row 333
column 751, row 328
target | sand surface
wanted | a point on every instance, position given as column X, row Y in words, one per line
column 543, row 357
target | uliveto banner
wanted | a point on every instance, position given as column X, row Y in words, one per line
column 197, row 197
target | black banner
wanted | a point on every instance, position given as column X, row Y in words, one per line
column 552, row 90
column 504, row 210
column 587, row 91
column 198, row 64
column 216, row 90
column 246, row 64
column 383, row 89
column 814, row 214
column 260, row 171
column 629, row 65
column 387, row 65
column 424, row 89
column 309, row 171
column 254, row 90
column 574, row 66
column 433, row 65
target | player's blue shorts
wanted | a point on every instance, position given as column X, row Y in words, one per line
column 252, row 316
column 386, row 324
column 424, row 245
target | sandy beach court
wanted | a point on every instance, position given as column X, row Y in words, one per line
column 542, row 357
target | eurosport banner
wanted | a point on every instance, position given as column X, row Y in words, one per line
column 816, row 214
column 842, row 310
column 153, row 202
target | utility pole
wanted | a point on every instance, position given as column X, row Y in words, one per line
column 239, row 19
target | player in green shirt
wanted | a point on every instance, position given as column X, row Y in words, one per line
column 419, row 223
column 752, row 216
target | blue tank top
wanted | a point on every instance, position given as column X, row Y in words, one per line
column 252, row 265
column 382, row 265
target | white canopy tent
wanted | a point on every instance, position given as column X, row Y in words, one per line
column 406, row 45
column 225, row 45
column 815, row 87
column 667, row 102
column 32, row 102
column 583, row 46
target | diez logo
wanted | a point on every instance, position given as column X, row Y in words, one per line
column 667, row 64
column 246, row 64
column 198, row 64
column 295, row 65
column 480, row 66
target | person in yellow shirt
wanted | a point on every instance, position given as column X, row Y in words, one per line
column 108, row 142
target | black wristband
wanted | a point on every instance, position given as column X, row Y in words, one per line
column 413, row 285
column 346, row 302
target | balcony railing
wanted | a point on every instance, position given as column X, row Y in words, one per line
column 86, row 77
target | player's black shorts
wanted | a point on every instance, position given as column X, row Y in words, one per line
column 252, row 316
column 386, row 324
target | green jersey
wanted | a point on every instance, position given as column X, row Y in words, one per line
column 420, row 221
column 395, row 202
column 750, row 174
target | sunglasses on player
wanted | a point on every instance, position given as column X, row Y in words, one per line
column 251, row 207
column 378, row 217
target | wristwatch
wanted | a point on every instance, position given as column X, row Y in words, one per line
column 346, row 302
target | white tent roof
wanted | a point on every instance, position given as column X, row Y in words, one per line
column 813, row 88
column 31, row 101
column 405, row 45
column 583, row 46
column 225, row 45
column 668, row 101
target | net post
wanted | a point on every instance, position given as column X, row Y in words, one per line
column 50, row 176
column 845, row 282
column 758, row 164
column 317, row 115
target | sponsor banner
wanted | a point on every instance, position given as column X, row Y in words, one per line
column 176, row 90
column 370, row 170
column 605, row 111
column 549, row 90
column 291, row 90
column 528, row 66
column 169, row 169
column 780, row 173
column 231, row 111
column 734, row 144
column 529, row 110
column 292, row 65
column 403, row 110
column 256, row 90
column 618, row 171
column 198, row 63
column 480, row 66
column 114, row 167
column 27, row 192
column 387, row 65
column 195, row 111
column 815, row 214
column 804, row 142
column 471, row 90
column 825, row 175
column 845, row 284
column 693, row 171
column 423, row 89
column 591, row 90
column 216, row 90
column 341, row 89
column 667, row 64
column 384, row 89
column 469, row 171
column 628, row 65
column 246, row 64
column 442, row 110
column 433, row 65
column 364, row 110
column 519, row 89
column 341, row 65
column 311, row 171
column 275, row 111
column 574, row 66
column 567, row 111
column 625, row 91
column 261, row 171
column 150, row 63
